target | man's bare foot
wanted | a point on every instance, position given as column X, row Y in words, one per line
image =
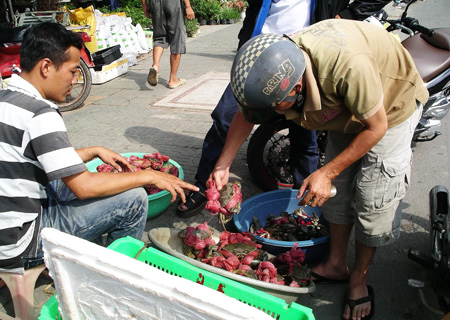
column 178, row 83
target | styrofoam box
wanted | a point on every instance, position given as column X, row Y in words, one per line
column 94, row 282
column 110, row 71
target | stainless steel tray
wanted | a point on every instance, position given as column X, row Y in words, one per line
column 167, row 240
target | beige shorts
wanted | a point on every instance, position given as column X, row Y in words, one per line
column 370, row 191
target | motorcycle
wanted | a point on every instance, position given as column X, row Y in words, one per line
column 269, row 147
column 438, row 261
column 10, row 42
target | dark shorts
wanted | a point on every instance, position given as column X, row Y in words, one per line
column 168, row 25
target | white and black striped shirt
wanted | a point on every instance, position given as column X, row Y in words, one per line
column 34, row 149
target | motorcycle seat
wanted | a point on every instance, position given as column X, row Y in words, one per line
column 431, row 60
column 9, row 35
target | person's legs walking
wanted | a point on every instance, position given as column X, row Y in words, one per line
column 175, row 59
column 176, row 35
column 160, row 41
column 152, row 77
column 157, row 54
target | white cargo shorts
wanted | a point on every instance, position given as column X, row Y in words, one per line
column 370, row 191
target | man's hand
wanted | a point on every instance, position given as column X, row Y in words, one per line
column 146, row 9
column 114, row 159
column 318, row 185
column 220, row 175
column 107, row 156
column 100, row 184
column 190, row 13
column 174, row 185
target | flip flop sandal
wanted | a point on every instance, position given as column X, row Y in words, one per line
column 152, row 78
column 369, row 298
column 195, row 202
column 181, row 82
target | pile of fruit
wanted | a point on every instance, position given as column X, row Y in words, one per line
column 240, row 254
column 154, row 161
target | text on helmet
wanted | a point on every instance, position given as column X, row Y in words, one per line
column 285, row 70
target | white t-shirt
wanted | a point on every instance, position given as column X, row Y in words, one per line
column 287, row 16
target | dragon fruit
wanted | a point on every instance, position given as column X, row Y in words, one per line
column 155, row 161
column 227, row 201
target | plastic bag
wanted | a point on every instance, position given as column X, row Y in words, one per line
column 113, row 29
column 85, row 16
column 141, row 38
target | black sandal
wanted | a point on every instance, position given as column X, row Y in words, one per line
column 369, row 298
column 195, row 202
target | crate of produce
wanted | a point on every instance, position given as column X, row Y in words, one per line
column 106, row 56
column 275, row 307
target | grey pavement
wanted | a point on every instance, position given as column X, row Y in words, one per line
column 127, row 115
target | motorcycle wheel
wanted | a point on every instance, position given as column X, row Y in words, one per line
column 268, row 155
column 80, row 90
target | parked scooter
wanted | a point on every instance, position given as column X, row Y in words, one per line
column 10, row 42
column 430, row 50
column 438, row 259
column 268, row 148
column 10, row 39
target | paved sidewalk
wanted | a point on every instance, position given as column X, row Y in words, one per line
column 127, row 115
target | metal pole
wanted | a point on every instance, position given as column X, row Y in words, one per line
column 11, row 11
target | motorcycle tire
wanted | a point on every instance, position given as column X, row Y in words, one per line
column 80, row 91
column 268, row 154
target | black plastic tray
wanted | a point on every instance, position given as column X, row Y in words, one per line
column 106, row 56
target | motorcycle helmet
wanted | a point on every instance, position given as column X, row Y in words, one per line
column 264, row 72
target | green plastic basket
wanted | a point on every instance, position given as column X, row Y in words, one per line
column 275, row 307
column 49, row 310
column 157, row 202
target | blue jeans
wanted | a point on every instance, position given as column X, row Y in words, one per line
column 304, row 156
column 117, row 216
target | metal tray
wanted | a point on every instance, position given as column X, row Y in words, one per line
column 167, row 240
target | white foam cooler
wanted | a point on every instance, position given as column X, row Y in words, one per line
column 109, row 71
column 94, row 282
